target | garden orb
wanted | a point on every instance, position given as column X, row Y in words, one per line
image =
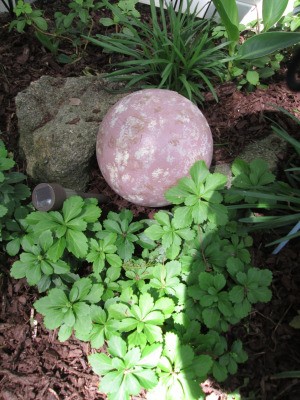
column 148, row 140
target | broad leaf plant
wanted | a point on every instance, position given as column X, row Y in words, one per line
column 156, row 297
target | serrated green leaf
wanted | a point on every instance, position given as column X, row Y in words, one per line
column 237, row 294
column 95, row 294
column 199, row 172
column 146, row 377
column 117, row 347
column 150, row 356
column 111, row 383
column 118, row 310
column 18, row 270
column 137, row 339
column 64, row 332
column 219, row 372
column 211, row 317
column 80, row 289
column 55, row 252
column 72, row 207
column 100, row 363
column 153, row 333
column 183, row 217
column 154, row 232
column 76, row 243
column 132, row 357
column 33, row 274
column 13, row 247
column 202, row 365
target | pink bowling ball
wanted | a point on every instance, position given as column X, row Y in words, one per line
column 148, row 140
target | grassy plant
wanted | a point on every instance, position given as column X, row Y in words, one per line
column 258, row 190
column 175, row 51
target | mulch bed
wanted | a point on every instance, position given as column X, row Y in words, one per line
column 34, row 365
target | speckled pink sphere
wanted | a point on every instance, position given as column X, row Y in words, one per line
column 148, row 140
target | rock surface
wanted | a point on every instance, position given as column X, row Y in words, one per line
column 268, row 148
column 58, row 121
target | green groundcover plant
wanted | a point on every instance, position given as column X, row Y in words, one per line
column 157, row 296
column 13, row 193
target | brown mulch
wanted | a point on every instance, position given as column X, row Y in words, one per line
column 34, row 364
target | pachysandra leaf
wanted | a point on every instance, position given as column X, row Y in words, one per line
column 150, row 356
column 165, row 304
column 211, row 317
column 46, row 240
column 80, row 289
column 146, row 377
column 69, row 318
column 33, row 274
column 202, row 365
column 183, row 217
column 132, row 357
column 77, row 224
column 153, row 333
column 219, row 372
column 55, row 252
column 53, row 318
column 173, row 251
column 77, row 243
column 18, row 270
column 137, row 339
column 200, row 211
column 72, row 207
column 162, row 217
column 117, row 347
column 199, row 172
column 154, row 232
column 242, row 309
column 183, row 357
column 154, row 318
column 100, row 363
column 111, row 382
column 91, row 212
column 237, row 294
column 176, row 195
column 65, row 331
column 95, row 294
column 96, row 336
column 118, row 310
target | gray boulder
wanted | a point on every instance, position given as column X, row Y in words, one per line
column 58, row 121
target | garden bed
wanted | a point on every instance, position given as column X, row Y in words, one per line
column 34, row 364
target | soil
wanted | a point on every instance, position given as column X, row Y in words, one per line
column 34, row 364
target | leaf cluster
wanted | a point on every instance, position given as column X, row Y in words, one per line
column 13, row 193
column 66, row 28
column 162, row 293
column 255, row 188
column 125, row 7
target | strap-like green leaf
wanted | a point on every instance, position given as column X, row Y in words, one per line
column 267, row 43
column 272, row 11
